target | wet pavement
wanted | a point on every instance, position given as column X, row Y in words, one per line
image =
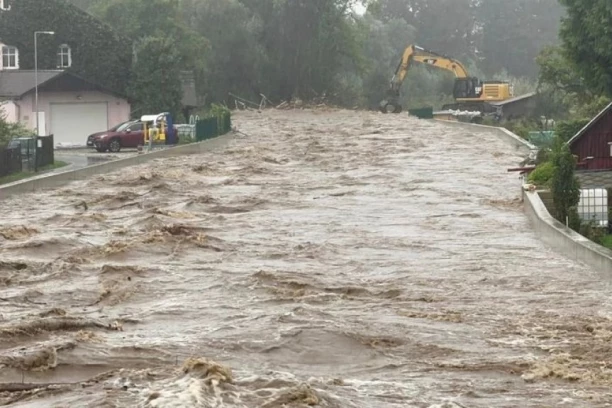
column 330, row 258
column 80, row 158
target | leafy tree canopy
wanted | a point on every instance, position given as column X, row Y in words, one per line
column 314, row 48
column 587, row 42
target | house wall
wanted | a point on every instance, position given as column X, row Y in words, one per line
column 9, row 109
column 118, row 108
column 595, row 143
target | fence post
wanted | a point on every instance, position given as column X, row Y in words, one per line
column 36, row 152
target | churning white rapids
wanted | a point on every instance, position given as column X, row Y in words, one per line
column 318, row 258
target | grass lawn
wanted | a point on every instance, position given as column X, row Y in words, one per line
column 11, row 178
column 607, row 241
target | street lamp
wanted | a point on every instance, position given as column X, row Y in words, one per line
column 36, row 72
column 36, row 93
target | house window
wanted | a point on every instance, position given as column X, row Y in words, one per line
column 10, row 57
column 64, row 56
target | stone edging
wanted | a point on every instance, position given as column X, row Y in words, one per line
column 59, row 179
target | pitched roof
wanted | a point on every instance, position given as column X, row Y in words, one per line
column 515, row 99
column 14, row 84
column 589, row 125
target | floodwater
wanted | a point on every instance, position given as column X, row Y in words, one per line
column 329, row 259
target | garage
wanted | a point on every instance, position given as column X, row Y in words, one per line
column 71, row 123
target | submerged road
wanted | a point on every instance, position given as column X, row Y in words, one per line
column 330, row 259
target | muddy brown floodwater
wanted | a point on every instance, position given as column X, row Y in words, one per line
column 330, row 259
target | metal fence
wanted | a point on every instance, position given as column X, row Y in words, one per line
column 594, row 206
column 26, row 154
column 186, row 133
column 27, row 147
column 212, row 127
column 10, row 161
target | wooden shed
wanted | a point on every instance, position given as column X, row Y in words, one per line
column 593, row 143
column 517, row 107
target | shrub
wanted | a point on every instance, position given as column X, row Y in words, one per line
column 593, row 232
column 542, row 175
column 9, row 131
column 522, row 127
column 567, row 129
column 574, row 220
column 542, row 156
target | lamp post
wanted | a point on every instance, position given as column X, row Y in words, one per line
column 36, row 93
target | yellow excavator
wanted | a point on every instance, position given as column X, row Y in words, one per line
column 469, row 92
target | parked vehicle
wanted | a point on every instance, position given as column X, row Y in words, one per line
column 129, row 134
column 91, row 137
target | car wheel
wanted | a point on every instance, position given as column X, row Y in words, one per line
column 114, row 146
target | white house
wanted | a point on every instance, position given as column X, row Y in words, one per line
column 78, row 78
column 69, row 107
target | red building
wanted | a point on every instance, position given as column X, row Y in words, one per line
column 593, row 144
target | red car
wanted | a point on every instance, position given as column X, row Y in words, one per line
column 128, row 134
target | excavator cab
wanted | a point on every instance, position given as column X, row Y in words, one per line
column 467, row 88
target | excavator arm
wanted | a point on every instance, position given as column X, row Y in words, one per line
column 414, row 53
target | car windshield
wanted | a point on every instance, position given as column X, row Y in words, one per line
column 122, row 126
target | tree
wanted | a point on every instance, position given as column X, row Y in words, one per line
column 501, row 35
column 156, row 82
column 587, row 42
column 157, row 32
column 566, row 87
column 5, row 130
column 452, row 33
column 557, row 72
column 564, row 186
column 307, row 43
column 513, row 32
column 235, row 58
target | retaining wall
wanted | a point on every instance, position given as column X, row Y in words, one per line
column 55, row 180
column 518, row 141
column 564, row 239
column 548, row 229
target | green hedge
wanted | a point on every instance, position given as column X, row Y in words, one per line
column 542, row 175
column 99, row 54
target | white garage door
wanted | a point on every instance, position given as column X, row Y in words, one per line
column 71, row 123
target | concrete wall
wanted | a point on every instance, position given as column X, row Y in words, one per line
column 55, row 180
column 564, row 239
column 118, row 108
column 518, row 141
column 548, row 229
